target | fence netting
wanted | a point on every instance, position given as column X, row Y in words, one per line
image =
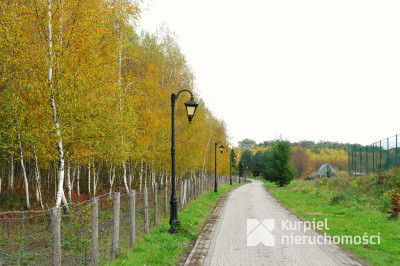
column 378, row 156
column 27, row 237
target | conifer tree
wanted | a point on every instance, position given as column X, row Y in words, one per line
column 279, row 169
column 258, row 163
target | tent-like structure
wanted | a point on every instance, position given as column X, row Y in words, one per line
column 324, row 170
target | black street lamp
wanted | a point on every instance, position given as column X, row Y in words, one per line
column 191, row 106
column 232, row 158
column 221, row 149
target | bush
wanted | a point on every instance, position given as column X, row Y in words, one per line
column 10, row 201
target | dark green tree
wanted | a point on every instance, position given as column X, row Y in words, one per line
column 258, row 163
column 279, row 169
column 246, row 157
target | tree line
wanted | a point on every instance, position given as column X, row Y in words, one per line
column 85, row 102
column 305, row 157
column 274, row 163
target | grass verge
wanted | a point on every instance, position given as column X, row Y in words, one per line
column 161, row 248
column 348, row 213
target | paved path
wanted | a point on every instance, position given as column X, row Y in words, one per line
column 224, row 240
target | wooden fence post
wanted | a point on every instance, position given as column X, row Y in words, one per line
column 195, row 187
column 56, row 217
column 95, row 231
column 166, row 198
column 181, row 194
column 115, row 238
column 188, row 198
column 132, row 217
column 155, row 205
column 146, row 211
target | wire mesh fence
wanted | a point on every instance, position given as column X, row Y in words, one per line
column 378, row 156
column 92, row 231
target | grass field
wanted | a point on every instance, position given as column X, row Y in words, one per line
column 352, row 207
column 161, row 248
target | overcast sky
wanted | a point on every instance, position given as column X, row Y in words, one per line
column 303, row 69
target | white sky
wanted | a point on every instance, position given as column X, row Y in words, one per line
column 306, row 69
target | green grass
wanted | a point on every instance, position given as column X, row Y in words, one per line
column 348, row 212
column 161, row 248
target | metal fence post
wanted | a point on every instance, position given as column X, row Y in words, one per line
column 373, row 157
column 355, row 162
column 380, row 155
column 348, row 158
column 361, row 166
column 388, row 163
column 396, row 149
column 366, row 159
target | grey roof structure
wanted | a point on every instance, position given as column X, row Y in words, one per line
column 324, row 170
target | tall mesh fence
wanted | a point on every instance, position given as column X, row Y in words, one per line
column 378, row 156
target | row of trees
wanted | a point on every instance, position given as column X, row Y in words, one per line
column 85, row 101
column 305, row 144
column 306, row 156
column 274, row 163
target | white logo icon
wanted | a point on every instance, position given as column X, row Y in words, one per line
column 260, row 232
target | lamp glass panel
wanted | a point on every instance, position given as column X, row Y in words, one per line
column 190, row 110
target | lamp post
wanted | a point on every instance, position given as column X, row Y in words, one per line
column 232, row 155
column 221, row 149
column 191, row 106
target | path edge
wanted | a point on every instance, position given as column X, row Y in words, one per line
column 210, row 224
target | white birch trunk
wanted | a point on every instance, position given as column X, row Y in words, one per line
column 64, row 201
column 152, row 173
column 94, row 179
column 38, row 180
column 112, row 177
column 69, row 189
column 141, row 174
column 60, row 170
column 94, row 183
column 89, row 173
column 11, row 178
column 48, row 178
column 130, row 175
column 37, row 175
column 124, row 172
column 77, row 180
column 145, row 176
column 28, row 206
